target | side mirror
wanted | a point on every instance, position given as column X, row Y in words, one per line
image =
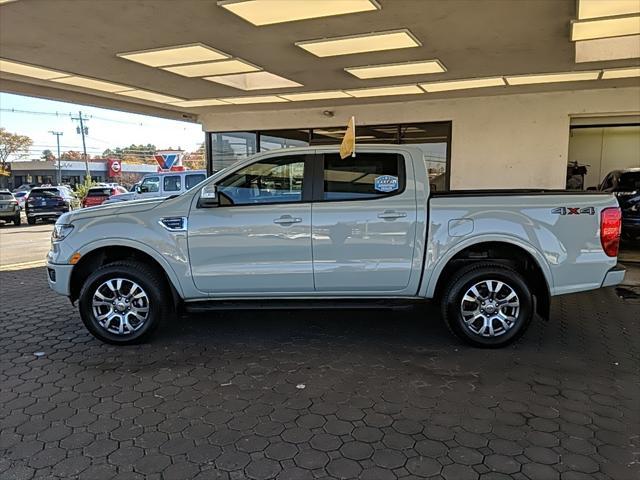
column 208, row 196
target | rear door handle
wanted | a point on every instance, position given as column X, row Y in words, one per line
column 287, row 220
column 391, row 215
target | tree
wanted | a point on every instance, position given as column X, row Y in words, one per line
column 47, row 155
column 12, row 144
column 71, row 155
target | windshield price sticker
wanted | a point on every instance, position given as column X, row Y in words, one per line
column 386, row 183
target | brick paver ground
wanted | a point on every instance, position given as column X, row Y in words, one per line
column 323, row 394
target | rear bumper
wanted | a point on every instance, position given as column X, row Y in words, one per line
column 59, row 278
column 614, row 276
column 9, row 214
column 46, row 213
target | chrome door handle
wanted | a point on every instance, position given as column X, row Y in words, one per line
column 391, row 215
column 287, row 220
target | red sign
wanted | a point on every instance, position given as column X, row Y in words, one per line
column 114, row 167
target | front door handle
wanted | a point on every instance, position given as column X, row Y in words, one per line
column 391, row 215
column 287, row 220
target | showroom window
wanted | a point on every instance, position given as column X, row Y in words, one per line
column 433, row 139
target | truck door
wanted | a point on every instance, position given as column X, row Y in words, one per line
column 258, row 238
column 364, row 223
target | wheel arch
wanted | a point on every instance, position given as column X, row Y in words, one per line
column 103, row 253
column 517, row 254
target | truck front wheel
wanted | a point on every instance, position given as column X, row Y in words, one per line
column 487, row 305
column 123, row 302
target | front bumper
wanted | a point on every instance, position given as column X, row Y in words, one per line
column 59, row 278
column 614, row 276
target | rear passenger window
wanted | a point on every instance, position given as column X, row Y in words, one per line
column 192, row 180
column 172, row 183
column 365, row 176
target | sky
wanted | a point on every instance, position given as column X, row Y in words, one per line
column 35, row 117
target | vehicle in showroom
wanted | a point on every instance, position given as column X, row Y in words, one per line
column 298, row 227
column 625, row 185
column 98, row 195
column 48, row 203
column 9, row 208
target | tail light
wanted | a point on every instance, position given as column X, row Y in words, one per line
column 610, row 226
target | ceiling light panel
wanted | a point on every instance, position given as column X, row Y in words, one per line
column 553, row 77
column 207, row 102
column 606, row 8
column 222, row 67
column 178, row 55
column 385, row 91
column 93, row 84
column 7, row 66
column 621, row 73
column 463, row 84
column 260, row 99
column 151, row 96
column 605, row 49
column 605, row 27
column 371, row 42
column 268, row 12
column 397, row 69
column 308, row 96
column 254, row 81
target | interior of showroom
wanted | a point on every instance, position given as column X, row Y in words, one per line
column 550, row 83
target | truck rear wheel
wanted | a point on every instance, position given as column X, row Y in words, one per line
column 487, row 305
column 123, row 302
column 31, row 220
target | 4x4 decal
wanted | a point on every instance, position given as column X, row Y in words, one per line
column 574, row 211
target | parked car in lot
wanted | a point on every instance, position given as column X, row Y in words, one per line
column 9, row 208
column 97, row 195
column 48, row 203
column 166, row 184
column 305, row 228
column 625, row 185
column 21, row 197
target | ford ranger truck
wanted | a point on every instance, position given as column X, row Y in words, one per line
column 299, row 227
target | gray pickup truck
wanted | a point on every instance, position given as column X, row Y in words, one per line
column 303, row 227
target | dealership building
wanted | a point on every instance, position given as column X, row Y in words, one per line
column 497, row 94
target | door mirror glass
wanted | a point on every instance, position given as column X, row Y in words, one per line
column 208, row 196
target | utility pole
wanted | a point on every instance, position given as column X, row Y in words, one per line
column 82, row 130
column 57, row 134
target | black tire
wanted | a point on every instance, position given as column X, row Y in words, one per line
column 31, row 220
column 17, row 220
column 151, row 281
column 459, row 285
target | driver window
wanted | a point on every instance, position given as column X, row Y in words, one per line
column 274, row 180
column 150, row 184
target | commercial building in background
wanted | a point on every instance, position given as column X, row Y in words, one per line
column 497, row 94
column 45, row 172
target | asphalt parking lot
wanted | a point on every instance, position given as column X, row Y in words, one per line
column 324, row 394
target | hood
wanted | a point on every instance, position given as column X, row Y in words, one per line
column 133, row 206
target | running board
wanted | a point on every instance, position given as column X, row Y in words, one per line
column 393, row 303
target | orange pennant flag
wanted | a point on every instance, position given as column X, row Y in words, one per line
column 348, row 146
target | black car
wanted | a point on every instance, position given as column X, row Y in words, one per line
column 47, row 203
column 625, row 185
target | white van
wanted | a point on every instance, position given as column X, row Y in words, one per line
column 166, row 184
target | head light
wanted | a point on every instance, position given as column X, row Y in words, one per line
column 60, row 232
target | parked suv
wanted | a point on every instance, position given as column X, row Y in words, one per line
column 166, row 184
column 48, row 203
column 9, row 208
column 97, row 195
column 625, row 185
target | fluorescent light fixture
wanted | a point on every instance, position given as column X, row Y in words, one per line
column 553, row 77
column 178, row 55
column 261, row 99
column 606, row 8
column 268, row 12
column 605, row 27
column 254, row 81
column 93, row 84
column 222, row 67
column 369, row 42
column 385, row 91
column 307, row 96
column 17, row 68
column 151, row 96
column 620, row 73
column 206, row 102
column 463, row 84
column 604, row 49
column 421, row 67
